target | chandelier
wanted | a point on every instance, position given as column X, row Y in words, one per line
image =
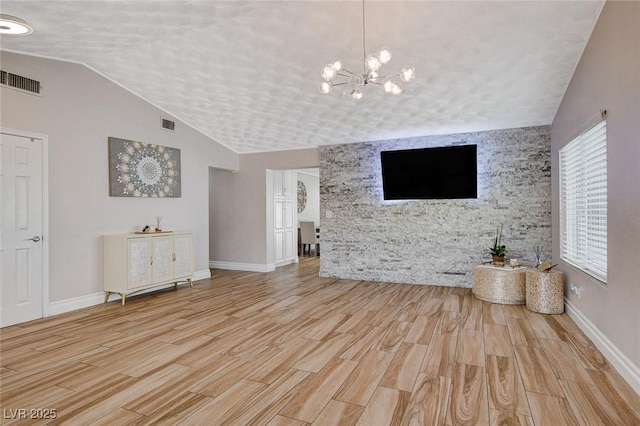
column 335, row 74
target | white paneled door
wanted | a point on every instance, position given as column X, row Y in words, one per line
column 21, row 247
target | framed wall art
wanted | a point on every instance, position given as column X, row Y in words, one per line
column 302, row 196
column 138, row 169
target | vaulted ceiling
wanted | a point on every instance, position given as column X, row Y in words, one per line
column 246, row 73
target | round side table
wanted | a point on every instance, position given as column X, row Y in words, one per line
column 545, row 291
column 503, row 284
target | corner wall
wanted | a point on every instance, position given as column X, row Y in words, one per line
column 607, row 77
column 78, row 110
column 433, row 241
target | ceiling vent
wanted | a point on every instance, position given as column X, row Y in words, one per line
column 168, row 124
column 20, row 83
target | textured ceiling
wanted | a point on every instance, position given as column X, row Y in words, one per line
column 246, row 73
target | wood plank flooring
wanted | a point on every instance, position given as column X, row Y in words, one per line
column 290, row 348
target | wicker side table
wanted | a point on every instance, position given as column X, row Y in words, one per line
column 545, row 291
column 495, row 284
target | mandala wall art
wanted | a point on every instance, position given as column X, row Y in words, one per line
column 302, row 196
column 138, row 169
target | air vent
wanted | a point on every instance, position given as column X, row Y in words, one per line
column 168, row 124
column 19, row 82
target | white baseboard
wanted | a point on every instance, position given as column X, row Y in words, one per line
column 68, row 305
column 239, row 266
column 205, row 274
column 627, row 369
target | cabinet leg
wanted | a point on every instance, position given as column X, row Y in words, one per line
column 106, row 296
column 175, row 285
column 190, row 282
column 124, row 298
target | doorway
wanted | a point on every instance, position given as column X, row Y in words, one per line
column 24, row 291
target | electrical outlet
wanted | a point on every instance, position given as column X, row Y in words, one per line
column 575, row 290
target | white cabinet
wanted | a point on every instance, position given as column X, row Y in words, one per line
column 285, row 217
column 135, row 262
column 183, row 252
column 138, row 258
column 284, row 182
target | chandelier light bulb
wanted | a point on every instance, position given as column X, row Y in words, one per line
column 373, row 63
column 328, row 72
column 325, row 88
column 408, row 73
column 385, row 55
column 397, row 89
column 387, row 85
column 337, row 65
column 357, row 94
column 373, row 75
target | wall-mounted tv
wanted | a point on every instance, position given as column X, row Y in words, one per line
column 447, row 172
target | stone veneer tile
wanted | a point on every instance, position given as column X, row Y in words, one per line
column 434, row 241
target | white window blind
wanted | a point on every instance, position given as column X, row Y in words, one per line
column 583, row 201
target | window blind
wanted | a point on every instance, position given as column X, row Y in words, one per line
column 583, row 201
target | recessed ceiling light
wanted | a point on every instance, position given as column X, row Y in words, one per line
column 12, row 25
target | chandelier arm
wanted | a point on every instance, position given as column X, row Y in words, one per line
column 346, row 70
column 388, row 76
column 339, row 84
column 364, row 48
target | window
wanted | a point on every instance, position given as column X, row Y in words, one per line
column 583, row 201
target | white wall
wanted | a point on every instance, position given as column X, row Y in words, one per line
column 79, row 110
column 312, row 183
column 608, row 77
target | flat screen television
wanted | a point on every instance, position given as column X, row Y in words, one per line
column 448, row 172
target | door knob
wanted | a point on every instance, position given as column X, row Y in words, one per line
column 35, row 239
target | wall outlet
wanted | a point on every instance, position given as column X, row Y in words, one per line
column 575, row 290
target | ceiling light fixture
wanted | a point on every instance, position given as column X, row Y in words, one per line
column 12, row 25
column 371, row 73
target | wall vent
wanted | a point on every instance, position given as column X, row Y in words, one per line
column 19, row 82
column 168, row 124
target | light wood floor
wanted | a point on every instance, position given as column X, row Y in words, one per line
column 289, row 348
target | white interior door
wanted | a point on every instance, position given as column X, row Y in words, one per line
column 21, row 247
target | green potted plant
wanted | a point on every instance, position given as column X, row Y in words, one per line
column 498, row 250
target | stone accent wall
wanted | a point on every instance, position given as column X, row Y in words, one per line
column 433, row 241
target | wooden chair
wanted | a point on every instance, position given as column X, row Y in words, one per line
column 308, row 237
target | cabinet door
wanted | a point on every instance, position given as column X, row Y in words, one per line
column 288, row 191
column 290, row 235
column 278, row 237
column 139, row 262
column 278, row 216
column 279, row 247
column 162, row 258
column 183, row 260
column 277, row 183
